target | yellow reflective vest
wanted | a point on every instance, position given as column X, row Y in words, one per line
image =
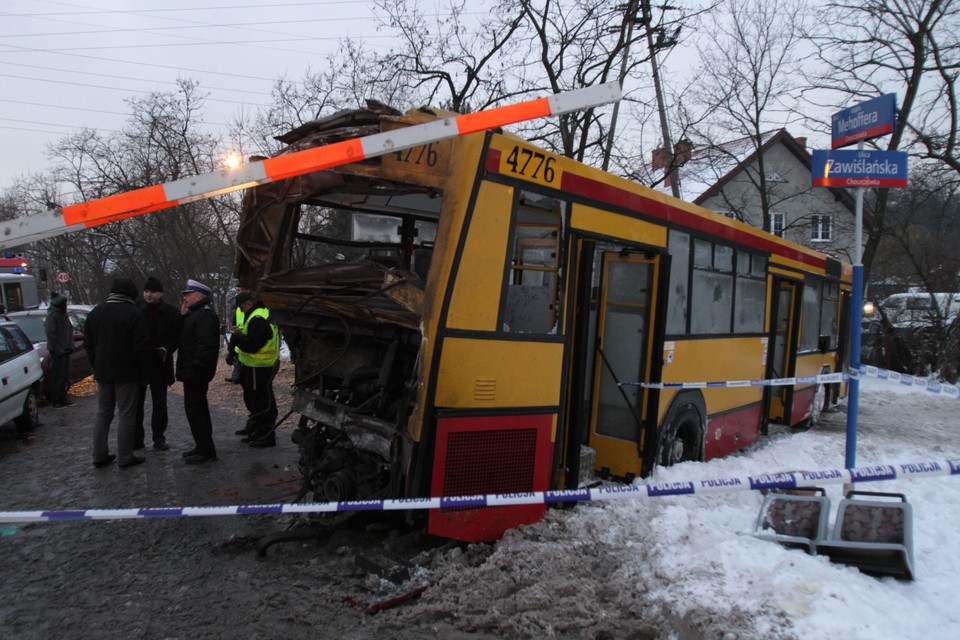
column 267, row 356
column 238, row 321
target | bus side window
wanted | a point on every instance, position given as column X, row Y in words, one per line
column 679, row 247
column 532, row 280
column 828, row 316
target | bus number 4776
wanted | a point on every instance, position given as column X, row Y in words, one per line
column 533, row 164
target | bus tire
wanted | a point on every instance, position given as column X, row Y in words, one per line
column 682, row 432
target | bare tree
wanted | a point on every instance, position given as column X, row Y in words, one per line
column 161, row 142
column 346, row 80
column 451, row 61
column 748, row 84
column 873, row 47
column 458, row 61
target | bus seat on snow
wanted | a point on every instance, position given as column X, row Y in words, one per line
column 873, row 534
column 797, row 519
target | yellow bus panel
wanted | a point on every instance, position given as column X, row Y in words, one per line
column 617, row 226
column 480, row 274
column 476, row 373
column 720, row 360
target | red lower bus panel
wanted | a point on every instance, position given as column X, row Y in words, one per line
column 490, row 454
column 732, row 431
column 802, row 401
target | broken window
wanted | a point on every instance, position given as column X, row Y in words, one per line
column 532, row 283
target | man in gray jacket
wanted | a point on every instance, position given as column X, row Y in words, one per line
column 118, row 344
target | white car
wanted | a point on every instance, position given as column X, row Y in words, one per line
column 21, row 378
column 919, row 310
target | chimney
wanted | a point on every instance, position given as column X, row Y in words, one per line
column 660, row 159
column 802, row 142
column 684, row 152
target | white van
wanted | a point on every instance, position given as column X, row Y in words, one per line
column 18, row 291
column 915, row 310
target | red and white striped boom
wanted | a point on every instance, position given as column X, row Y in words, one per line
column 169, row 194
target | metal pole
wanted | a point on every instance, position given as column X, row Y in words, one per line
column 856, row 318
column 661, row 105
column 630, row 17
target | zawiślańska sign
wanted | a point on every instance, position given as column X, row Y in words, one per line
column 856, row 168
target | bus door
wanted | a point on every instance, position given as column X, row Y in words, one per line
column 782, row 357
column 623, row 345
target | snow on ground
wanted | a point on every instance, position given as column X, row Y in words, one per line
column 682, row 566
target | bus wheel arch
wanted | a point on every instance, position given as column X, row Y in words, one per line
column 682, row 431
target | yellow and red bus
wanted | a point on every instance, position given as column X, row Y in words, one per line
column 463, row 317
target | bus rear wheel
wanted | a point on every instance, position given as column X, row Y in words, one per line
column 682, row 436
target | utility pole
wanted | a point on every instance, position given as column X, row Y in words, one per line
column 653, row 47
column 630, row 16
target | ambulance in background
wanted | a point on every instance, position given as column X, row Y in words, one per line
column 18, row 289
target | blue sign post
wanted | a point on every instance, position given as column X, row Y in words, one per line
column 860, row 168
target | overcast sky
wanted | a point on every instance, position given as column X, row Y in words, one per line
column 67, row 65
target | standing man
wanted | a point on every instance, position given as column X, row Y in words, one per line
column 118, row 346
column 59, row 345
column 257, row 345
column 196, row 366
column 163, row 327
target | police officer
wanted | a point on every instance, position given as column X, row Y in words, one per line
column 257, row 344
column 196, row 366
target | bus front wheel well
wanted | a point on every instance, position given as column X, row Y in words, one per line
column 682, row 430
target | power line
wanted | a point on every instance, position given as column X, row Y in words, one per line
column 204, row 25
column 71, row 107
column 116, row 77
column 270, row 6
column 139, row 64
column 96, row 86
column 54, row 124
column 56, row 133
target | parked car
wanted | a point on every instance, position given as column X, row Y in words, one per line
column 31, row 322
column 909, row 332
column 911, row 311
column 21, row 377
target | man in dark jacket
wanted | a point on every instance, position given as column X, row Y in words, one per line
column 118, row 346
column 59, row 346
column 163, row 326
column 257, row 344
column 196, row 366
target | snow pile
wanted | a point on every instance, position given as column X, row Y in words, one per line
column 685, row 566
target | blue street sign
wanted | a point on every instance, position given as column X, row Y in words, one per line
column 870, row 119
column 856, row 168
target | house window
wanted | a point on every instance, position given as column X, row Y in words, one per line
column 778, row 222
column 822, row 229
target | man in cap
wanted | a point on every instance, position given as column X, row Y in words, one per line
column 118, row 346
column 163, row 326
column 257, row 345
column 59, row 347
column 196, row 366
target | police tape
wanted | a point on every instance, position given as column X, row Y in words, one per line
column 916, row 382
column 783, row 480
column 825, row 378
